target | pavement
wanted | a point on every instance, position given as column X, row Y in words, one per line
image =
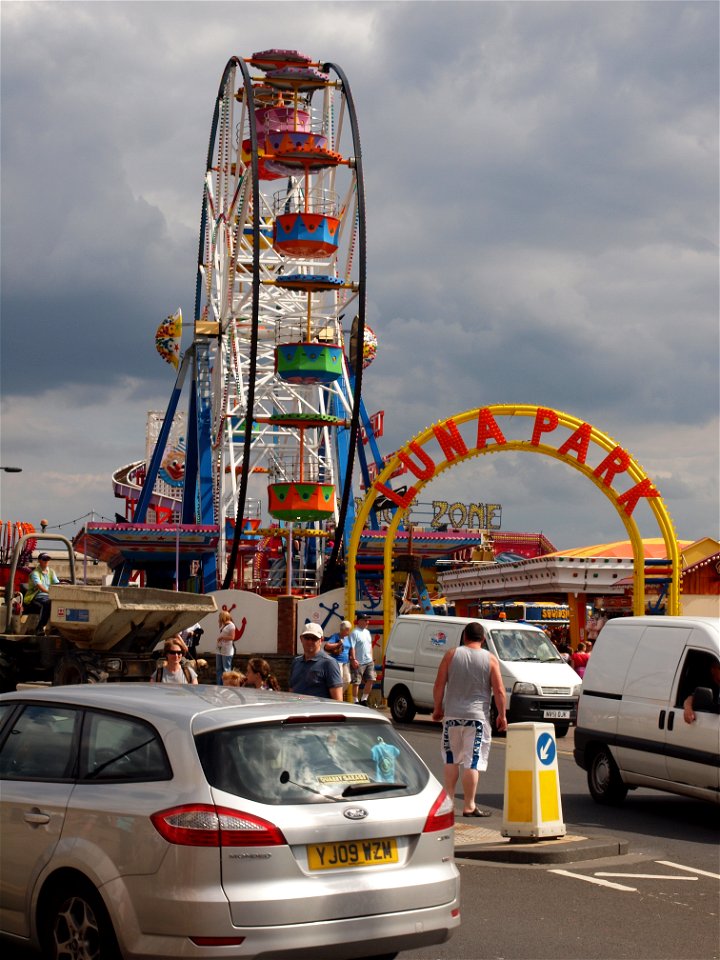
column 487, row 843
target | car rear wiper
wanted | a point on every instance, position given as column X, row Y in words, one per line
column 357, row 789
column 285, row 778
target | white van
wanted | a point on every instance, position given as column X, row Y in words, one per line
column 539, row 684
column 631, row 730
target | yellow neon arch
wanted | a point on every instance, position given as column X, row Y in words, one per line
column 634, row 471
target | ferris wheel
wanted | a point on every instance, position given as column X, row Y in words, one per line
column 280, row 285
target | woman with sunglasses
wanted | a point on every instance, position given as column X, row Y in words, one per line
column 174, row 670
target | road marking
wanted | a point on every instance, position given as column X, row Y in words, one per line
column 600, row 883
column 680, row 866
column 643, row 876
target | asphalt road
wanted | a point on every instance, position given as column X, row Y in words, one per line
column 660, row 901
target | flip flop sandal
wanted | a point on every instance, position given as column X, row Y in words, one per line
column 477, row 812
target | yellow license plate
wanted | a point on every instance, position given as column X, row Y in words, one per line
column 352, row 853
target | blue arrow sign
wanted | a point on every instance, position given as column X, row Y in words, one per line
column 546, row 748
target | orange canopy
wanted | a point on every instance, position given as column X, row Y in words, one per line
column 622, row 549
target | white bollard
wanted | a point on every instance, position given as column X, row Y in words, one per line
column 532, row 806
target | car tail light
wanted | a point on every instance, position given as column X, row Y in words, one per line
column 442, row 814
column 205, row 825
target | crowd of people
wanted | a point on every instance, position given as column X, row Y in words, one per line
column 578, row 658
column 327, row 667
column 177, row 666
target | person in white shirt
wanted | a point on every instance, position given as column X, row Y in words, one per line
column 225, row 646
column 362, row 665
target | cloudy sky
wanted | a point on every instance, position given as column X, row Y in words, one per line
column 542, row 198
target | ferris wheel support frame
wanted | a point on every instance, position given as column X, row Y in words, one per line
column 204, row 418
column 121, row 576
column 343, row 533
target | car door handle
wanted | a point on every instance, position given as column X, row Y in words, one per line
column 661, row 721
column 36, row 818
column 671, row 719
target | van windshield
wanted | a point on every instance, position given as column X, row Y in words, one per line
column 524, row 645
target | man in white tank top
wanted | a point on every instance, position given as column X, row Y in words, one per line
column 467, row 678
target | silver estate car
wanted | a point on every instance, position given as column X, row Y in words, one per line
column 217, row 822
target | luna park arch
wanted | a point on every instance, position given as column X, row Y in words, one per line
column 574, row 450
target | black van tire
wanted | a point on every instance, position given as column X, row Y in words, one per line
column 493, row 721
column 561, row 730
column 604, row 781
column 402, row 706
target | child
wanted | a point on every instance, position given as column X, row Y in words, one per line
column 259, row 675
column 233, row 678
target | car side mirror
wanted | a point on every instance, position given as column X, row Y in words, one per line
column 703, row 699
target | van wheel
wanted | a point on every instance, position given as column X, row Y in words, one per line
column 604, row 781
column 493, row 721
column 561, row 729
column 402, row 706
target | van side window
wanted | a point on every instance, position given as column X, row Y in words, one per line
column 696, row 672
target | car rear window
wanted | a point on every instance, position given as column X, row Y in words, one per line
column 309, row 762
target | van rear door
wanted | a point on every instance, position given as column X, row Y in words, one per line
column 647, row 700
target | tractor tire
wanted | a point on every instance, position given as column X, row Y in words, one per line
column 8, row 673
column 78, row 668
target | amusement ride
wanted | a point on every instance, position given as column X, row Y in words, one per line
column 273, row 376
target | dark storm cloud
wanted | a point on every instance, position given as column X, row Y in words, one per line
column 90, row 265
